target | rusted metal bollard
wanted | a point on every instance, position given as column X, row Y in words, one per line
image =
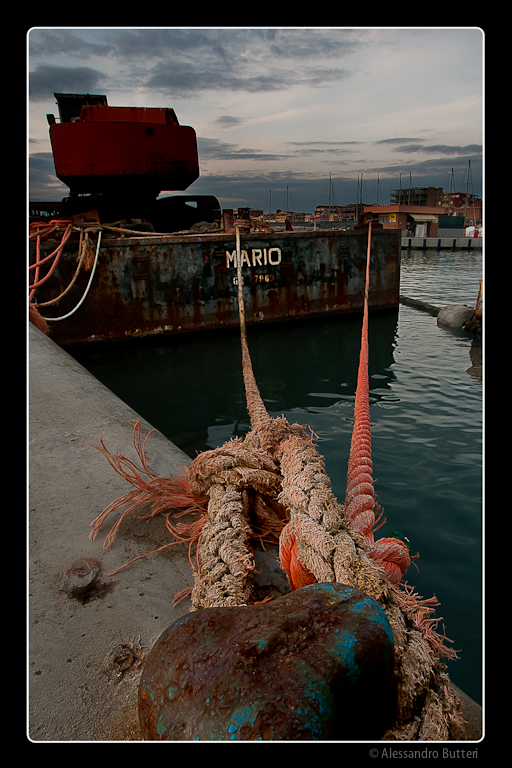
column 81, row 576
column 315, row 664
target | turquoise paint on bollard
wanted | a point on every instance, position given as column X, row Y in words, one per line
column 316, row 664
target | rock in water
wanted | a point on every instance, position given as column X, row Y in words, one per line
column 316, row 664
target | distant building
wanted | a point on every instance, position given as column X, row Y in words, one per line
column 280, row 216
column 462, row 204
column 254, row 213
column 452, row 204
column 424, row 196
column 413, row 220
column 418, row 212
column 431, row 212
column 348, row 212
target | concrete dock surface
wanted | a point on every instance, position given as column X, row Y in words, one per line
column 76, row 688
column 85, row 653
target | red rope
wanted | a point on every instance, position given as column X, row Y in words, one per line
column 56, row 254
column 360, row 494
column 298, row 575
column 360, row 501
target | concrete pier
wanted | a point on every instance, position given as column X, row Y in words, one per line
column 443, row 243
column 85, row 653
column 81, row 686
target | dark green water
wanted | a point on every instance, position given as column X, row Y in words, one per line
column 426, row 408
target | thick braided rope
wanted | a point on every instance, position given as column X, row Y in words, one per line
column 257, row 412
column 320, row 545
column 359, row 494
column 224, row 575
column 360, row 504
column 317, row 545
column 304, row 547
column 224, row 553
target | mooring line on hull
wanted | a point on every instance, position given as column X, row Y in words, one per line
column 93, row 270
column 83, row 250
column 56, row 254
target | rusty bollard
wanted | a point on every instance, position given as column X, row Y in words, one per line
column 81, row 576
column 316, row 664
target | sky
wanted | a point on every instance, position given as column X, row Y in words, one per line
column 285, row 117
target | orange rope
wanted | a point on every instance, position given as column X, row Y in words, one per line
column 298, row 575
column 41, row 228
column 360, row 503
column 38, row 230
column 56, row 254
column 360, row 494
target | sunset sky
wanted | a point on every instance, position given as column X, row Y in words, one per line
column 280, row 110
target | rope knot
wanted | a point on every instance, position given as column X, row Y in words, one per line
column 235, row 464
column 393, row 556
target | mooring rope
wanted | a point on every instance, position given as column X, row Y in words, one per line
column 391, row 554
column 224, row 552
column 89, row 283
column 40, row 230
column 320, row 540
column 360, row 501
column 255, row 405
column 55, row 255
column 83, row 258
column 359, row 494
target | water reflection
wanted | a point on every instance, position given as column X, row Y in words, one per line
column 190, row 388
column 475, row 371
column 475, row 353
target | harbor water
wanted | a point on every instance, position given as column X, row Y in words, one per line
column 426, row 410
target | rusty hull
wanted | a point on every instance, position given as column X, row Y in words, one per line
column 169, row 284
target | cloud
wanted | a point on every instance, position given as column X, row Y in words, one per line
column 46, row 43
column 189, row 62
column 313, row 143
column 44, row 185
column 435, row 172
column 441, row 149
column 189, row 78
column 228, row 121
column 396, row 141
column 46, row 80
column 303, row 190
column 214, row 149
column 159, row 43
column 330, row 148
column 242, row 46
column 301, row 44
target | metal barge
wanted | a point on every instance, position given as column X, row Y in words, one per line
column 171, row 284
column 167, row 265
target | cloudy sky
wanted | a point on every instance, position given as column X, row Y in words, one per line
column 281, row 111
